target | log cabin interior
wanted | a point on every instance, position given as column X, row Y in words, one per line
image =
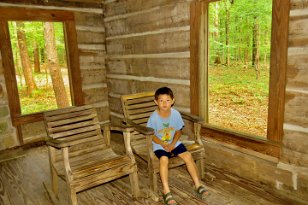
column 118, row 47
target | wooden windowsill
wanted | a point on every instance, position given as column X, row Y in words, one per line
column 250, row 142
column 25, row 119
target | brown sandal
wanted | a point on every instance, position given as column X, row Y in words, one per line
column 167, row 198
column 202, row 192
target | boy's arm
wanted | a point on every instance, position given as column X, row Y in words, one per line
column 176, row 137
column 159, row 141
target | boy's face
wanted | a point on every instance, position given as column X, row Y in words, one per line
column 164, row 102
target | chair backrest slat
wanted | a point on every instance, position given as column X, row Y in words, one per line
column 77, row 125
column 138, row 107
column 70, row 121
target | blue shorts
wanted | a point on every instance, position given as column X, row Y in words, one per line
column 178, row 150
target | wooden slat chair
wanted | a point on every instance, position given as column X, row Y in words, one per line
column 137, row 108
column 81, row 155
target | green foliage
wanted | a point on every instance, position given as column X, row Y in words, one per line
column 243, row 15
column 35, row 33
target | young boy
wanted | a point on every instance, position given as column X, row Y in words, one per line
column 167, row 124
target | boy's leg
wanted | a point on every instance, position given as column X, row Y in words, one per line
column 182, row 152
column 191, row 167
column 193, row 171
column 163, row 172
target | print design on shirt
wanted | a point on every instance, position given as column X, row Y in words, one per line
column 166, row 132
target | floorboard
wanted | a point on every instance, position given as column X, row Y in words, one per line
column 23, row 175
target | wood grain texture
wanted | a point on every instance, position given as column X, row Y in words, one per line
column 278, row 68
column 147, row 48
column 80, row 151
column 57, row 3
column 21, row 183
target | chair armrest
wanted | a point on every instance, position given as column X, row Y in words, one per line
column 142, row 129
column 192, row 118
column 57, row 143
column 122, row 128
column 197, row 121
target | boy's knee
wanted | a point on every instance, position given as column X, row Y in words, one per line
column 164, row 160
column 186, row 156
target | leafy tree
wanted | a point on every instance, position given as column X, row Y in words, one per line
column 24, row 56
column 53, row 65
column 239, row 30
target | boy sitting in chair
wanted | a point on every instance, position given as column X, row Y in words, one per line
column 167, row 124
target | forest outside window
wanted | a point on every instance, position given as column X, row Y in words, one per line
column 40, row 65
column 238, row 68
column 40, row 56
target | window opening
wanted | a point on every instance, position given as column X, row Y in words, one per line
column 239, row 38
column 40, row 65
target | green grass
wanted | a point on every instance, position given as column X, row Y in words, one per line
column 43, row 98
column 237, row 100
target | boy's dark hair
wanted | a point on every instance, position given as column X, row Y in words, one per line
column 163, row 91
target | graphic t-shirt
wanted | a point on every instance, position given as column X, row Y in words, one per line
column 165, row 128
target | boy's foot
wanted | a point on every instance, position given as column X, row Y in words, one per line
column 202, row 192
column 168, row 199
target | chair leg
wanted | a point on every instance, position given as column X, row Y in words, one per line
column 134, row 184
column 153, row 181
column 53, row 171
column 54, row 181
column 153, row 185
column 200, row 165
column 72, row 197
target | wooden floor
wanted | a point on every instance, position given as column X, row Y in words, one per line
column 22, row 174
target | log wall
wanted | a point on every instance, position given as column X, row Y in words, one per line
column 8, row 136
column 91, row 45
column 147, row 46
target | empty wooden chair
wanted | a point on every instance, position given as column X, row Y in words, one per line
column 81, row 155
column 137, row 108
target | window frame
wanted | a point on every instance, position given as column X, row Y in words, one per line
column 72, row 55
column 278, row 67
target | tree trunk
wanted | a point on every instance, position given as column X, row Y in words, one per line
column 54, row 68
column 227, row 34
column 256, row 47
column 25, row 61
column 216, row 35
column 36, row 56
column 18, row 67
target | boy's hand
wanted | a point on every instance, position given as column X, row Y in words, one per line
column 165, row 145
column 168, row 147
